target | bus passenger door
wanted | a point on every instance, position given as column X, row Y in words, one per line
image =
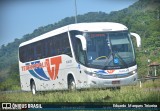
column 81, row 60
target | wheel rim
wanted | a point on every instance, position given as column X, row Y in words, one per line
column 73, row 85
column 33, row 89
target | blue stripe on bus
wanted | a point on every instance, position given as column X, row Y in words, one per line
column 40, row 71
column 35, row 75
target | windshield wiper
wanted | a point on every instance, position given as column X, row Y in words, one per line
column 122, row 61
column 113, row 56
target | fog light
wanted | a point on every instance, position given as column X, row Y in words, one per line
column 94, row 82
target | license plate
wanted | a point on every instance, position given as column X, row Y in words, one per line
column 115, row 82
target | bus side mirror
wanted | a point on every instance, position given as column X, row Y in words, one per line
column 138, row 39
column 83, row 41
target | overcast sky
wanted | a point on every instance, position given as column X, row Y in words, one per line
column 20, row 17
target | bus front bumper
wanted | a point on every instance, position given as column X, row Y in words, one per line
column 96, row 82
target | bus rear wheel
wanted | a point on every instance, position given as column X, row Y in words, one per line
column 33, row 87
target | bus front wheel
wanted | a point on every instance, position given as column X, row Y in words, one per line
column 33, row 87
column 71, row 84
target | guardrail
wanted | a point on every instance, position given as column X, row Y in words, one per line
column 16, row 91
column 149, row 78
column 146, row 78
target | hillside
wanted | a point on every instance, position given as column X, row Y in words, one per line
column 143, row 17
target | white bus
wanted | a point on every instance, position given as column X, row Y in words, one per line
column 76, row 56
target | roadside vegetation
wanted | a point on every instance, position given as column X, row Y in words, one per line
column 149, row 92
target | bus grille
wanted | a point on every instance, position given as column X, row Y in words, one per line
column 114, row 76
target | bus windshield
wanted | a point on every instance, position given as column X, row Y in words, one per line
column 109, row 50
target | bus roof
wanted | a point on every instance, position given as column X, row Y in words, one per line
column 84, row 27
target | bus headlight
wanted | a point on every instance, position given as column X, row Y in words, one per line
column 133, row 72
column 90, row 73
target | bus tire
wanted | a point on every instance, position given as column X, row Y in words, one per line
column 116, row 88
column 71, row 84
column 33, row 87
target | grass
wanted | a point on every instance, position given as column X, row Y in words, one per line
column 149, row 92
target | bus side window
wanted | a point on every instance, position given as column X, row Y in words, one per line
column 22, row 54
column 43, row 49
column 79, row 52
column 31, row 52
column 49, row 45
column 38, row 50
column 65, row 45
column 77, row 47
column 58, row 45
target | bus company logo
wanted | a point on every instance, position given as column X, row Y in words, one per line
column 53, row 71
column 36, row 68
column 110, row 71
